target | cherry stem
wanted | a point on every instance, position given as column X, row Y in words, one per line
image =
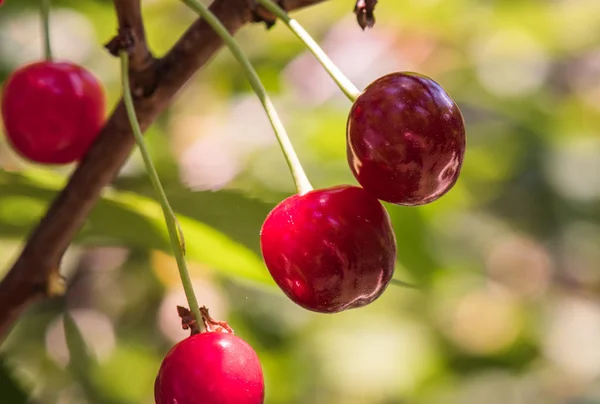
column 300, row 179
column 45, row 13
column 336, row 74
column 174, row 230
column 403, row 284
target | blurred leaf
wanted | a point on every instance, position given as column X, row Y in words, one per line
column 517, row 358
column 80, row 360
column 123, row 218
column 83, row 365
column 129, row 374
column 10, row 390
column 412, row 237
column 232, row 212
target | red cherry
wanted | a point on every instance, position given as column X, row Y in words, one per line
column 52, row 111
column 405, row 139
column 210, row 368
column 331, row 249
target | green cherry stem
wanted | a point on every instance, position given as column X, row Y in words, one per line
column 175, row 233
column 45, row 14
column 403, row 284
column 336, row 74
column 301, row 180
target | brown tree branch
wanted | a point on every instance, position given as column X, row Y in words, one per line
column 35, row 273
column 131, row 36
column 130, row 20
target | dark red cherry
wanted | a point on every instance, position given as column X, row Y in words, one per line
column 331, row 249
column 52, row 111
column 210, row 368
column 405, row 139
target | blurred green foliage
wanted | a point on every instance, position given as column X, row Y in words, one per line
column 507, row 309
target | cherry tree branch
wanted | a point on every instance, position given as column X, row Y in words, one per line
column 132, row 36
column 130, row 20
column 155, row 82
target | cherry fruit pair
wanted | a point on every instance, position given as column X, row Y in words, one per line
column 334, row 249
column 52, row 111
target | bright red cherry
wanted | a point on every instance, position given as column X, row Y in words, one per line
column 52, row 111
column 330, row 249
column 210, row 368
column 405, row 139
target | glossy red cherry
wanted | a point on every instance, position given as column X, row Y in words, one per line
column 405, row 139
column 210, row 368
column 52, row 111
column 331, row 249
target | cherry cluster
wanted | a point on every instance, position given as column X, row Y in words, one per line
column 334, row 249
column 328, row 249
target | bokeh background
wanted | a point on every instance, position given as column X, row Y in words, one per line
column 507, row 265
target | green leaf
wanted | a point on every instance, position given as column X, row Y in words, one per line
column 414, row 253
column 83, row 365
column 124, row 218
column 80, row 360
column 10, row 389
column 232, row 212
column 140, row 366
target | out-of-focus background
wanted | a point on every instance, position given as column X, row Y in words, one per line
column 507, row 263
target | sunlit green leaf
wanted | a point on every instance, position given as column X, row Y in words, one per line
column 124, row 218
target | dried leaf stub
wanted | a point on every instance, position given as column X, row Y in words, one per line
column 212, row 325
column 188, row 321
column 124, row 40
column 365, row 13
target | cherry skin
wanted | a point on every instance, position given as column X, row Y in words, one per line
column 405, row 139
column 52, row 111
column 330, row 249
column 210, row 368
